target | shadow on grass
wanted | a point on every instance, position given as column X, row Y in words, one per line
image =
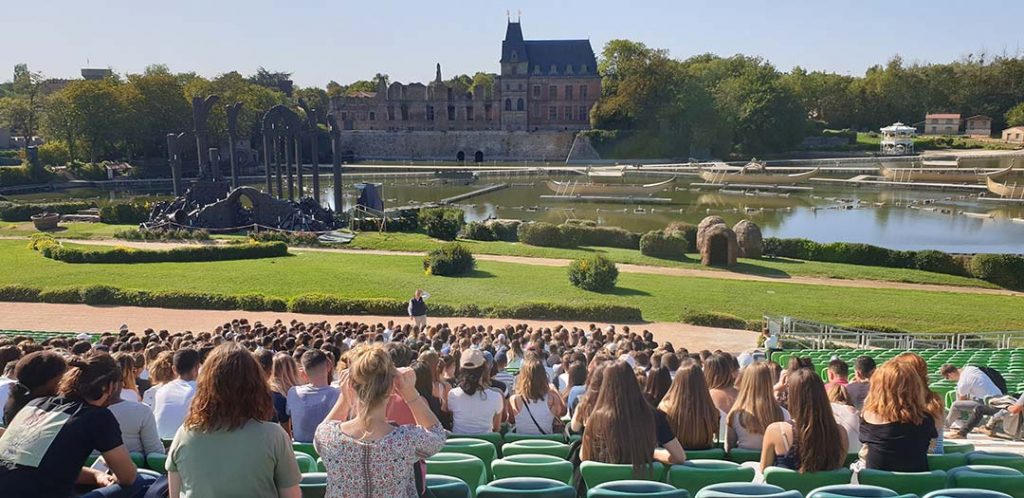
column 626, row 291
column 762, row 271
column 476, row 274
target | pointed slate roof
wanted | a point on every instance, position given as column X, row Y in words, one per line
column 545, row 53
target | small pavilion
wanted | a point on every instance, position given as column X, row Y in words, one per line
column 897, row 140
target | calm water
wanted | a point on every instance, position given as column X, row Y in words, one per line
column 895, row 218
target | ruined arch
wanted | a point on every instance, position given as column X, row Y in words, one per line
column 478, row 157
column 460, row 156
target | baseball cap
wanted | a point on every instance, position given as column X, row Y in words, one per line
column 472, row 358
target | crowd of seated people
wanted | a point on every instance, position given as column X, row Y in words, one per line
column 377, row 400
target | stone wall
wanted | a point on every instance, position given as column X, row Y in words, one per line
column 551, row 146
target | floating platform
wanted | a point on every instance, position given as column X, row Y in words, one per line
column 1000, row 199
column 779, row 188
column 609, row 199
column 863, row 180
column 469, row 195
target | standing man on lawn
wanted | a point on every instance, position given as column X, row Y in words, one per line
column 418, row 309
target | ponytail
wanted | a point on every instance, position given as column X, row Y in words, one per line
column 89, row 376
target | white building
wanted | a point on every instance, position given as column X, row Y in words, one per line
column 897, row 140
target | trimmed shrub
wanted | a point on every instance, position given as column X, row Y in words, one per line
column 541, row 234
column 1006, row 270
column 715, row 319
column 40, row 241
column 685, row 230
column 102, row 294
column 938, row 262
column 594, row 273
column 582, row 223
column 607, row 237
column 63, row 295
column 658, row 244
column 476, row 230
column 19, row 293
column 291, row 238
column 162, row 234
column 505, row 230
column 125, row 213
column 885, row 329
column 328, row 304
column 121, row 255
column 571, row 235
column 11, row 211
column 442, row 223
column 449, row 260
column 548, row 311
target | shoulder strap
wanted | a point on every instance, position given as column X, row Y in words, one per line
column 526, row 405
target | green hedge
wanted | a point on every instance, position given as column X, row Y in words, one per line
column 685, row 230
column 126, row 213
column 594, row 273
column 609, row 237
column 658, row 244
column 291, row 238
column 122, row 255
column 543, row 234
column 107, row 295
column 162, row 234
column 575, row 234
column 12, row 211
column 719, row 320
column 1006, row 270
column 442, row 223
column 449, row 260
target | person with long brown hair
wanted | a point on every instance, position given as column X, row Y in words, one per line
column 227, row 445
column 367, row 456
column 812, row 441
column 588, row 399
column 536, row 403
column 624, row 429
column 936, row 405
column 755, row 409
column 690, row 411
column 129, row 391
column 43, row 451
column 720, row 373
column 284, row 375
column 897, row 424
column 656, row 384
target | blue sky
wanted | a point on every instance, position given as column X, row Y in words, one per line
column 342, row 40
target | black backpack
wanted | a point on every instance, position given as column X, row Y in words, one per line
column 995, row 377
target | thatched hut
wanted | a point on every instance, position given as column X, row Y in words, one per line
column 749, row 238
column 716, row 242
column 704, row 224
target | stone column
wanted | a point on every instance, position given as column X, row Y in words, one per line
column 298, row 162
column 332, row 126
column 288, row 166
column 214, row 163
column 174, row 158
column 266, row 163
column 277, row 166
column 232, row 113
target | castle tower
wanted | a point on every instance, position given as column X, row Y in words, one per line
column 515, row 75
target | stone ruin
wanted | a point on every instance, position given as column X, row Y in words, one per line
column 232, row 213
column 716, row 242
column 749, row 239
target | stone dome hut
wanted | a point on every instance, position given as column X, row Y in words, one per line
column 716, row 242
column 749, row 238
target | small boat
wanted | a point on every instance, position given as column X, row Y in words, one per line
column 1005, row 191
column 337, row 237
column 753, row 173
column 576, row 188
column 939, row 175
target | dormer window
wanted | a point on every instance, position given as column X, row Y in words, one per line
column 553, row 70
column 515, row 55
column 536, row 69
column 568, row 69
column 583, row 69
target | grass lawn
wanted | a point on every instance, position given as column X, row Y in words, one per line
column 75, row 230
column 661, row 298
column 771, row 268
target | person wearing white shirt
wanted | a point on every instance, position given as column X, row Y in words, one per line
column 973, row 386
column 6, row 382
column 476, row 408
column 172, row 400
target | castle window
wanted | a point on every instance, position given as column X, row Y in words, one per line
column 583, row 68
column 568, row 112
column 487, row 112
column 405, row 112
column 451, row 95
column 583, row 92
column 508, row 104
column 451, row 113
column 552, row 113
column 430, row 113
column 469, row 113
column 391, row 113
column 584, row 115
column 536, row 91
column 568, row 92
column 515, row 55
column 520, row 105
column 373, row 116
column 552, row 92
column 520, row 87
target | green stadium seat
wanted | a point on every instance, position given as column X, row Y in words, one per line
column 1011, row 460
column 740, row 455
column 636, row 489
column 709, row 454
column 966, row 493
column 479, row 448
column 918, row 483
column 526, row 487
column 447, row 486
column 989, row 477
column 595, row 473
column 512, row 437
column 947, row 461
column 696, row 474
column 313, row 485
column 546, row 466
column 807, row 481
column 320, row 465
column 469, row 468
column 306, row 448
column 306, row 463
column 536, row 447
column 852, row 491
column 950, row 447
column 743, row 490
column 157, row 462
column 491, row 437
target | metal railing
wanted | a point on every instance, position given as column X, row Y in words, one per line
column 819, row 335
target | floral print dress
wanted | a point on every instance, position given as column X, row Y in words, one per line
column 360, row 469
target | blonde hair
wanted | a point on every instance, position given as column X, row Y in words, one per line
column 532, row 382
column 755, row 406
column 161, row 369
column 284, row 374
column 897, row 394
column 372, row 375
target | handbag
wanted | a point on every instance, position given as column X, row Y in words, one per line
column 557, row 426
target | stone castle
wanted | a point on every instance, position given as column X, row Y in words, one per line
column 533, row 110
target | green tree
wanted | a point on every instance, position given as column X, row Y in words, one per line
column 100, row 106
column 22, row 108
column 232, row 87
column 317, row 98
column 1015, row 116
column 156, row 106
column 334, row 89
column 62, row 122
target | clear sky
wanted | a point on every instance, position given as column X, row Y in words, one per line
column 343, row 40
